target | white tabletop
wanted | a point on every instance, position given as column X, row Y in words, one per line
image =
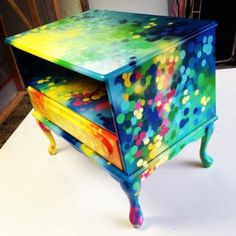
column 67, row 194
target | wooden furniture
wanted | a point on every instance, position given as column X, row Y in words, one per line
column 127, row 90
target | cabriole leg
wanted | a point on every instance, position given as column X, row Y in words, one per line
column 52, row 146
column 132, row 190
column 205, row 158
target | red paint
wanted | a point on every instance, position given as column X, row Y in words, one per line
column 138, row 153
column 171, row 93
column 77, row 103
column 138, row 75
column 102, row 106
column 142, row 134
column 43, row 127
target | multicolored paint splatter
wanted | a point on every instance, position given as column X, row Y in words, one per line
column 86, row 102
column 85, row 97
column 164, row 99
column 156, row 92
column 102, row 44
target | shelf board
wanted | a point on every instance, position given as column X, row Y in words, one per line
column 85, row 97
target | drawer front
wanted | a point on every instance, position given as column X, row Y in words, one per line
column 98, row 139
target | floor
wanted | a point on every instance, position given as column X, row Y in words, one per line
column 15, row 118
column 7, row 94
column 67, row 194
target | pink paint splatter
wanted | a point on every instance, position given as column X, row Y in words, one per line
column 164, row 130
column 171, row 93
column 142, row 135
column 165, row 122
column 138, row 142
column 137, row 105
column 77, row 103
column 138, row 153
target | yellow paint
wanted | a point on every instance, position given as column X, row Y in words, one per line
column 172, row 50
column 159, row 103
column 96, row 97
column 163, row 59
column 152, row 23
column 153, row 153
column 162, row 160
column 176, row 59
column 137, row 89
column 140, row 162
column 137, row 36
column 185, row 99
column 160, row 85
column 127, row 83
column 204, row 100
column 156, row 59
column 126, row 96
column 146, row 141
column 150, row 146
column 101, row 141
column 86, row 150
column 167, row 107
column 52, row 144
column 142, row 102
column 145, row 164
column 171, row 58
column 41, row 81
column 158, row 79
column 86, row 99
column 125, row 76
column 157, row 138
column 158, row 144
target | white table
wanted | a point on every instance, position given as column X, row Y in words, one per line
column 48, row 195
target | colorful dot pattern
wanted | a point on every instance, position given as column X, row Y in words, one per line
column 86, row 97
column 164, row 99
column 101, row 44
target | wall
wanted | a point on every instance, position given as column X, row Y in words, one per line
column 159, row 7
column 69, row 8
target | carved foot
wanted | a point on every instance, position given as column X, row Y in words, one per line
column 205, row 158
column 52, row 146
column 132, row 191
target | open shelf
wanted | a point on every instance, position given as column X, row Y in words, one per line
column 82, row 95
column 80, row 107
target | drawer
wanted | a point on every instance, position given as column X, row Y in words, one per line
column 100, row 140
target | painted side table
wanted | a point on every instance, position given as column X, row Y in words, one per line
column 127, row 90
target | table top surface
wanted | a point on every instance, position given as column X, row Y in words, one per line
column 102, row 44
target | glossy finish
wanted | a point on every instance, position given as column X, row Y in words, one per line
column 132, row 191
column 100, row 140
column 164, row 99
column 155, row 94
column 102, row 44
column 85, row 97
column 52, row 144
column 205, row 158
